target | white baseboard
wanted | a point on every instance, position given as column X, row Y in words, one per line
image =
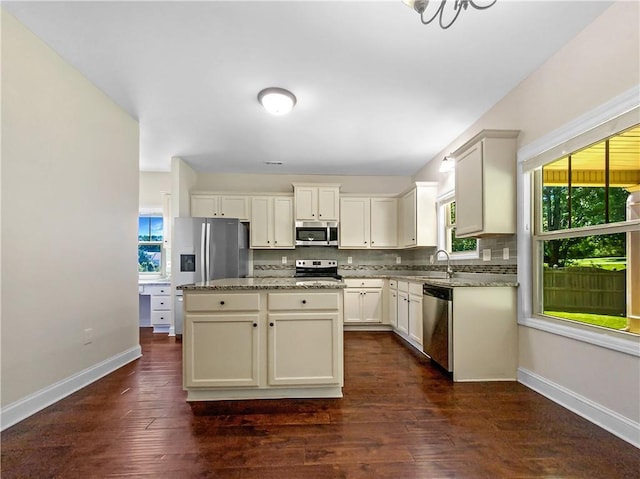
column 31, row 404
column 607, row 419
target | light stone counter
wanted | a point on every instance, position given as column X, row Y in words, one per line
column 230, row 284
column 458, row 280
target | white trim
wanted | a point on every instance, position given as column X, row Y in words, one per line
column 604, row 338
column 598, row 414
column 614, row 108
column 31, row 404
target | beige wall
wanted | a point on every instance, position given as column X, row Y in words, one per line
column 599, row 63
column 69, row 220
column 602, row 62
column 152, row 186
column 283, row 183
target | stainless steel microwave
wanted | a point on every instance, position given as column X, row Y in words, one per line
column 316, row 233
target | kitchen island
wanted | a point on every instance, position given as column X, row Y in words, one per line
column 262, row 338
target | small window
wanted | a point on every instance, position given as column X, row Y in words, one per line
column 458, row 247
column 150, row 244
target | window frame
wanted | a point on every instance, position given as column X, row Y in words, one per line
column 617, row 114
column 161, row 243
column 445, row 227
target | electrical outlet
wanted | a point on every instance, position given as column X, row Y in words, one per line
column 505, row 253
column 284, row 260
column 398, row 260
column 431, row 259
column 88, row 336
column 486, row 254
column 349, row 260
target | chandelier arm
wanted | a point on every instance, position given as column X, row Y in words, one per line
column 439, row 10
column 480, row 7
column 457, row 10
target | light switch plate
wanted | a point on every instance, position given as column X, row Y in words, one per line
column 486, row 254
column 398, row 260
column 284, row 260
column 349, row 260
column 505, row 253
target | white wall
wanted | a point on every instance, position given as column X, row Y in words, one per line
column 69, row 227
column 152, row 186
column 600, row 63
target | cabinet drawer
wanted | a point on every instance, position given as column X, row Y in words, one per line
column 222, row 302
column 363, row 283
column 415, row 288
column 393, row 284
column 302, row 301
column 161, row 303
column 156, row 290
column 161, row 317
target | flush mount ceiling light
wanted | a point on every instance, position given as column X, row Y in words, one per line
column 277, row 101
column 438, row 9
column 448, row 164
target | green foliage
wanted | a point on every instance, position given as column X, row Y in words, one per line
column 588, row 208
column 612, row 322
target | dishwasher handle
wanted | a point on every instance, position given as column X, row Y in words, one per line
column 439, row 292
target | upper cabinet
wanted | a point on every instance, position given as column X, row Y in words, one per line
column 368, row 222
column 272, row 222
column 215, row 206
column 418, row 220
column 486, row 184
column 317, row 202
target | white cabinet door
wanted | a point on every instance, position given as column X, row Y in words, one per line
column 272, row 222
column 469, row 187
column 371, row 300
column 235, row 207
column 393, row 308
column 355, row 224
column 408, row 219
column 415, row 318
column 204, row 206
column 261, row 222
column 304, row 348
column 222, row 350
column 384, row 223
column 328, row 203
column 306, row 203
column 283, row 224
column 352, row 305
column 403, row 312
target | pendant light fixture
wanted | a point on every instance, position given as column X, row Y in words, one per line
column 277, row 101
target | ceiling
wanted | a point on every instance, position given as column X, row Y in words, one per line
column 378, row 92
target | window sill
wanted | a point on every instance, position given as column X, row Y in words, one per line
column 464, row 255
column 628, row 343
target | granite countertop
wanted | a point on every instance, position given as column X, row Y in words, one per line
column 230, row 284
column 458, row 280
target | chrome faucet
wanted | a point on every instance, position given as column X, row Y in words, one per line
column 449, row 270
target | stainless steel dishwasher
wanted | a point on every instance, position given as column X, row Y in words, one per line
column 437, row 328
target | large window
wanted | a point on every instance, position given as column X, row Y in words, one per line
column 586, row 238
column 150, row 243
column 458, row 248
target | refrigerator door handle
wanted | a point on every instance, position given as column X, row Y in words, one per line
column 203, row 251
column 208, row 247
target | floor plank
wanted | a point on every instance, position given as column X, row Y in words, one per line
column 401, row 418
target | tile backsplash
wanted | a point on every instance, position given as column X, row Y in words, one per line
column 269, row 262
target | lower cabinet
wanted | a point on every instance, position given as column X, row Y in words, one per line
column 363, row 301
column 268, row 344
column 223, row 350
column 409, row 314
column 392, row 312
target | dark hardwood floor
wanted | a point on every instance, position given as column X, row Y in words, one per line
column 400, row 418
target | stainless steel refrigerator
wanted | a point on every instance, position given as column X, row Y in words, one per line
column 204, row 249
